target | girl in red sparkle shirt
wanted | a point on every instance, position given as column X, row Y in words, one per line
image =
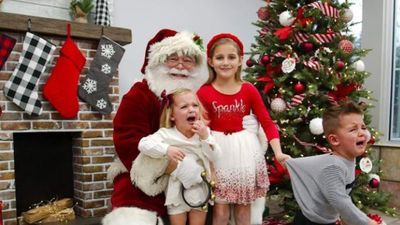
column 241, row 170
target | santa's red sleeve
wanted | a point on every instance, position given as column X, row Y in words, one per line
column 138, row 116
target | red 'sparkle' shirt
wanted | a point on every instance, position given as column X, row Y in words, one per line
column 226, row 111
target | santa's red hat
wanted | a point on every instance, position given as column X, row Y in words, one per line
column 167, row 42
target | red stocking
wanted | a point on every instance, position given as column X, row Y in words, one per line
column 61, row 89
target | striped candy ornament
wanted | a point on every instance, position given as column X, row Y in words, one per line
column 319, row 38
column 326, row 9
column 320, row 148
column 296, row 100
column 313, row 64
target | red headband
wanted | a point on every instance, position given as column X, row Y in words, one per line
column 224, row 35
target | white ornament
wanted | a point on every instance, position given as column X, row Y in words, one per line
column 359, row 66
column 278, row 105
column 286, row 18
column 347, row 15
column 366, row 165
column 107, row 51
column 316, row 127
column 288, row 65
column 90, row 86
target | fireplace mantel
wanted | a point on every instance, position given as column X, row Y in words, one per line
column 54, row 27
column 91, row 132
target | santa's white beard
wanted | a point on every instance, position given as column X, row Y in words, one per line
column 159, row 79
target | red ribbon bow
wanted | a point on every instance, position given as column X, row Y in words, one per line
column 376, row 218
column 277, row 173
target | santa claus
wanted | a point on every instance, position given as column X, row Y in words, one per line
column 173, row 59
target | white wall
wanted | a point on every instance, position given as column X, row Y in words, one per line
column 205, row 17
column 377, row 35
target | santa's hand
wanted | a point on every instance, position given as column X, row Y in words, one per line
column 250, row 123
column 188, row 172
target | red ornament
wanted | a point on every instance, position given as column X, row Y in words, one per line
column 374, row 183
column 339, row 65
column 265, row 59
column 307, row 46
column 372, row 140
column 346, row 46
column 249, row 63
column 263, row 13
column 299, row 88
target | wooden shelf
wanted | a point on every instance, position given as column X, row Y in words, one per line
column 55, row 27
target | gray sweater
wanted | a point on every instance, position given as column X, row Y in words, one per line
column 319, row 186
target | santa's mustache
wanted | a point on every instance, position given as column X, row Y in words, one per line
column 180, row 72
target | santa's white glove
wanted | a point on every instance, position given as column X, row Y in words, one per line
column 188, row 172
column 250, row 123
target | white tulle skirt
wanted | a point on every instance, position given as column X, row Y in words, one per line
column 241, row 168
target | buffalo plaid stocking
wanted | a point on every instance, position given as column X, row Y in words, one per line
column 94, row 89
column 21, row 88
column 102, row 13
column 6, row 45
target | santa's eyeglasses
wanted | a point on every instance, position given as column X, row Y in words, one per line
column 185, row 61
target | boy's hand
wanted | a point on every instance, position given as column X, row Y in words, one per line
column 175, row 153
column 201, row 129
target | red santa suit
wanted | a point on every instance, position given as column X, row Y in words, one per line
column 138, row 198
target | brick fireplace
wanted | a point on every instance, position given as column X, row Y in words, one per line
column 91, row 132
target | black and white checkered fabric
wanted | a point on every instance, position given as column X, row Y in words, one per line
column 21, row 88
column 102, row 13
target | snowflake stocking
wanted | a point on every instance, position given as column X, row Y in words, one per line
column 21, row 88
column 62, row 86
column 6, row 45
column 94, row 89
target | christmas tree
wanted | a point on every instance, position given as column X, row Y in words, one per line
column 303, row 61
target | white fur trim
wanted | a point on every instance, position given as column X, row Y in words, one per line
column 115, row 169
column 148, row 174
column 181, row 43
column 131, row 216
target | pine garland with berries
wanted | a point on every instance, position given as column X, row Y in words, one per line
column 303, row 61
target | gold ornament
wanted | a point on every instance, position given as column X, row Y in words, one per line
column 212, row 183
column 212, row 197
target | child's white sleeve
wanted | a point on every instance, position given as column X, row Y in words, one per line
column 210, row 147
column 153, row 145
